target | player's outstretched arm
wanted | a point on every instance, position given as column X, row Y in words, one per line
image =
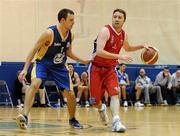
column 129, row 48
column 73, row 56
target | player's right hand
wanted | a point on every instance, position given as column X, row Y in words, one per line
column 126, row 58
column 22, row 76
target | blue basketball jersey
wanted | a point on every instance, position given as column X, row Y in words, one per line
column 121, row 77
column 55, row 54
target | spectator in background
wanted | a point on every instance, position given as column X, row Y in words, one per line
column 164, row 80
column 75, row 80
column 144, row 84
column 83, row 88
column 176, row 86
column 20, row 91
column 123, row 82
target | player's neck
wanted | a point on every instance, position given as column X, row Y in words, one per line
column 121, row 72
column 62, row 29
column 118, row 30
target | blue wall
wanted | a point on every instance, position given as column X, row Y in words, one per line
column 8, row 72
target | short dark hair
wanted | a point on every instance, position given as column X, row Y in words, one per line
column 63, row 13
column 121, row 64
column 166, row 67
column 121, row 11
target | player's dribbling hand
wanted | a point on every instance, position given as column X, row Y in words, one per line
column 149, row 46
column 126, row 58
column 22, row 75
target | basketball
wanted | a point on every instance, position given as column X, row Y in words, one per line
column 150, row 55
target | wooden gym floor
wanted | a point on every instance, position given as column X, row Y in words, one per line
column 148, row 121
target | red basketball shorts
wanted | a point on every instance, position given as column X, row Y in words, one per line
column 102, row 79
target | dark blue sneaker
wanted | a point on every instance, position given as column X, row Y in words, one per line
column 75, row 124
column 22, row 121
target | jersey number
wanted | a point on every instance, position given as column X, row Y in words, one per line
column 59, row 58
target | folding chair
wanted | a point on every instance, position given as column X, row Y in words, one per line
column 5, row 96
column 52, row 92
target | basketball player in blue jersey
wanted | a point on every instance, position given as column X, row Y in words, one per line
column 52, row 49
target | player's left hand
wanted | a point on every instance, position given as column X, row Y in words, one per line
column 145, row 47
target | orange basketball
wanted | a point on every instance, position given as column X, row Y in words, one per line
column 150, row 55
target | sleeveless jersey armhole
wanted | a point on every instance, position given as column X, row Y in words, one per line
column 52, row 38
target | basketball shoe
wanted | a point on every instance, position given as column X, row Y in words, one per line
column 117, row 126
column 22, row 121
column 138, row 104
column 75, row 124
column 103, row 114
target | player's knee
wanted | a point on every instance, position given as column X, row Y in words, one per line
column 123, row 87
column 70, row 94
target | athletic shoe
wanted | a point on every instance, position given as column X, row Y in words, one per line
column 125, row 104
column 103, row 114
column 22, row 121
column 117, row 126
column 87, row 104
column 138, row 104
column 165, row 103
column 148, row 105
column 75, row 124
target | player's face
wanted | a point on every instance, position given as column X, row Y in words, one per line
column 70, row 67
column 84, row 78
column 142, row 72
column 123, row 67
column 178, row 74
column 166, row 72
column 69, row 21
column 118, row 20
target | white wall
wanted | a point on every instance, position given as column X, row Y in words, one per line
column 154, row 22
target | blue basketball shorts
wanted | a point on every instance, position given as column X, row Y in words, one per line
column 59, row 74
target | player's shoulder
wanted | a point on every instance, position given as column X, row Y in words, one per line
column 104, row 29
column 76, row 74
column 48, row 32
column 104, row 32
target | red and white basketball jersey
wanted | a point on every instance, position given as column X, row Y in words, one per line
column 113, row 45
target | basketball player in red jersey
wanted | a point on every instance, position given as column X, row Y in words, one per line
column 102, row 70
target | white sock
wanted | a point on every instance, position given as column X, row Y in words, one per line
column 114, row 105
column 115, row 118
column 102, row 107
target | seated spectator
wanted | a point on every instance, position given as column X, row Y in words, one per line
column 164, row 79
column 176, row 86
column 83, row 88
column 75, row 80
column 144, row 84
column 20, row 91
column 123, row 82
